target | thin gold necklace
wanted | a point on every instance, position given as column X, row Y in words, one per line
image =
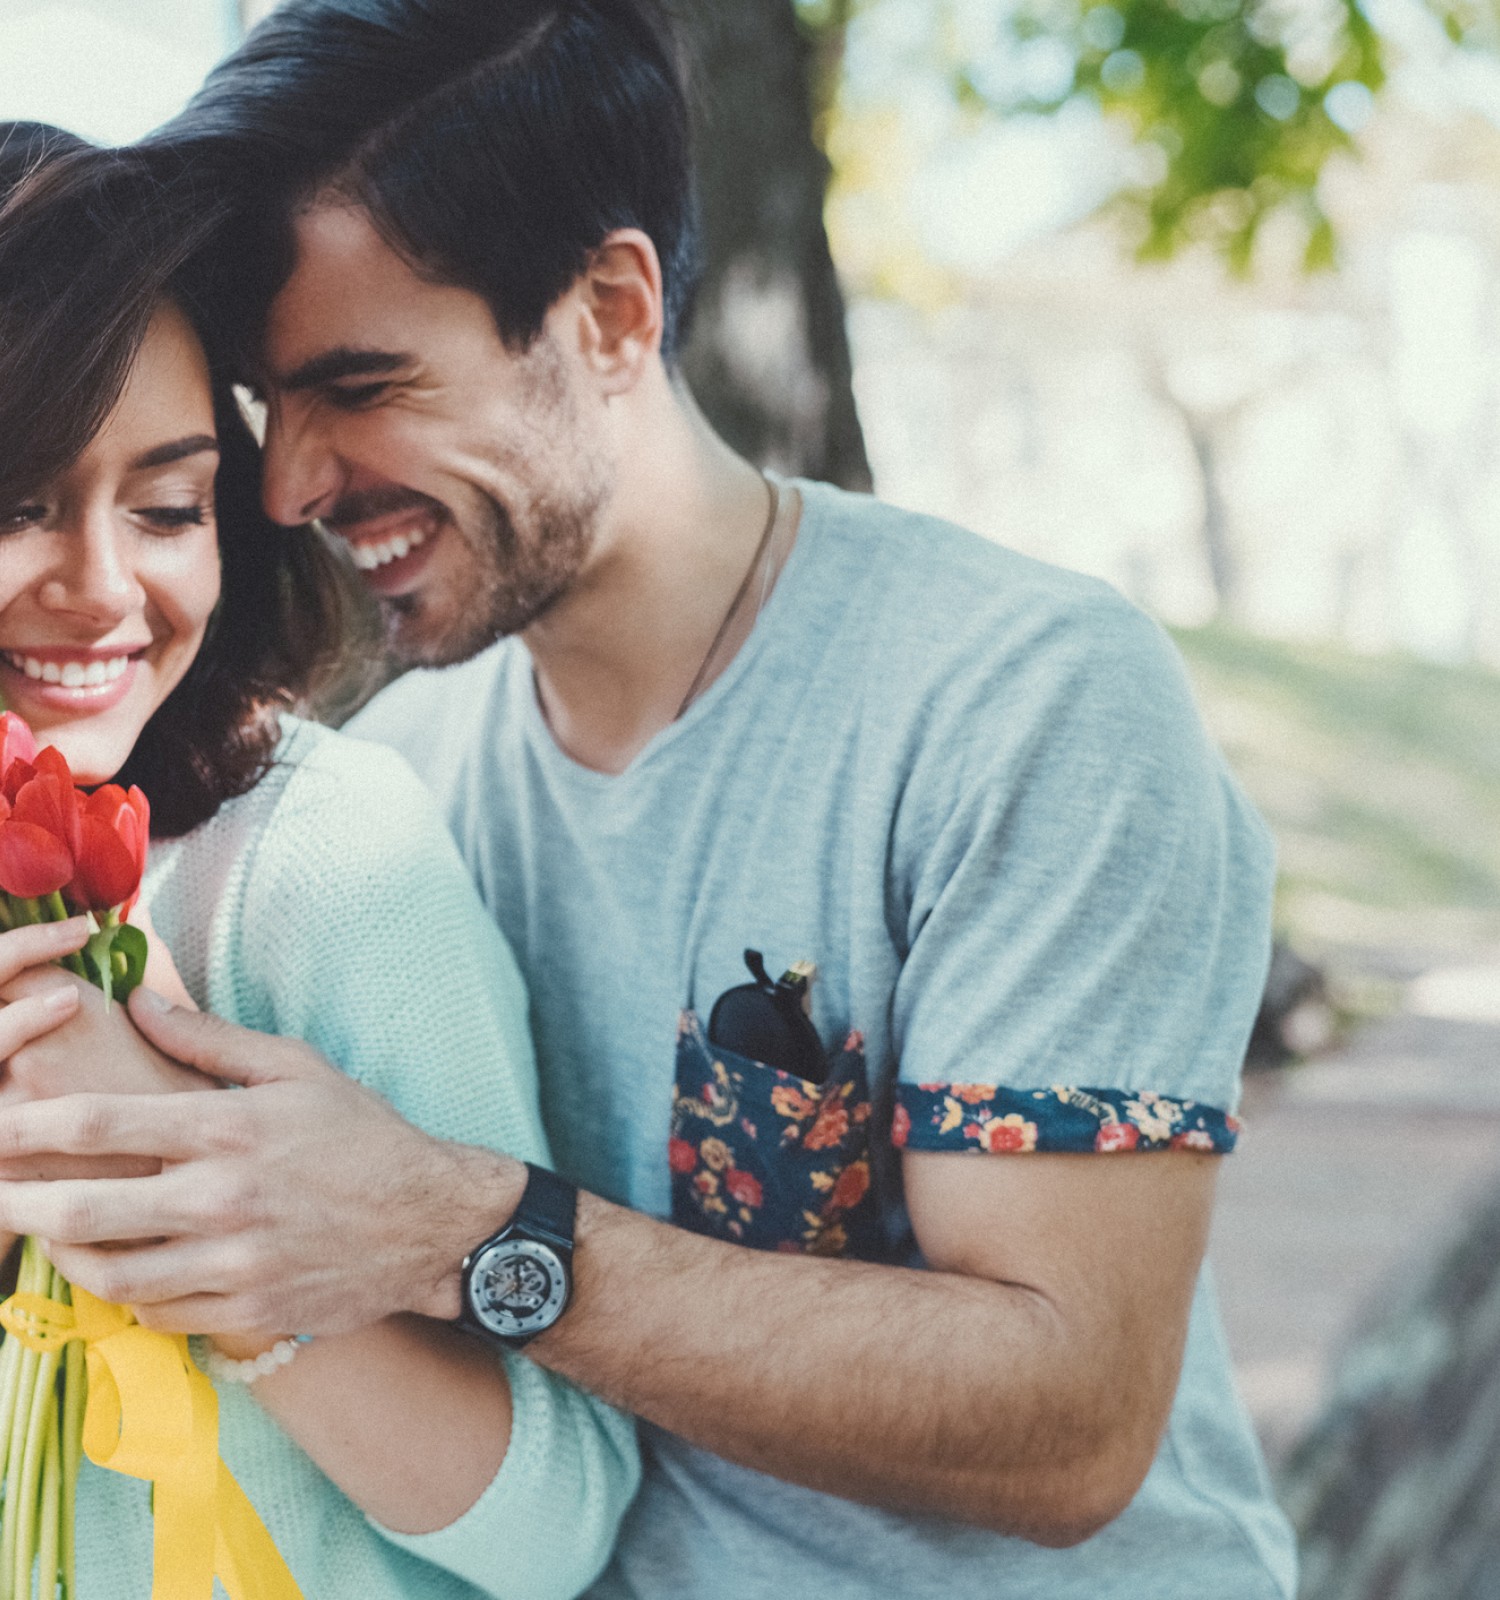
column 739, row 598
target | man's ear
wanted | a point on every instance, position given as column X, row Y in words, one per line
column 620, row 296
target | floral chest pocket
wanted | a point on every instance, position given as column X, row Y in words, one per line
column 767, row 1159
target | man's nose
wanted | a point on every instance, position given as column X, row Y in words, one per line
column 302, row 476
column 95, row 579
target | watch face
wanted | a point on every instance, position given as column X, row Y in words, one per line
column 518, row 1287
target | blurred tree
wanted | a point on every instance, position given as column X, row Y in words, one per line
column 769, row 358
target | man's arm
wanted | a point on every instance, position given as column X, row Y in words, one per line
column 1022, row 1385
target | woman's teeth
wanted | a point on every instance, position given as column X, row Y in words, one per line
column 93, row 674
column 367, row 557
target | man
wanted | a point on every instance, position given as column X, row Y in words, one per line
column 686, row 713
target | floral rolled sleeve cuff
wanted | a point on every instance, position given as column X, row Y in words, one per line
column 998, row 1121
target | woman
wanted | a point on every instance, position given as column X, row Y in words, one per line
column 156, row 628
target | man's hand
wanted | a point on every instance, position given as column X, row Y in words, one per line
column 301, row 1204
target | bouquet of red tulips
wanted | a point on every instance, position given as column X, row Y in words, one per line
column 63, row 851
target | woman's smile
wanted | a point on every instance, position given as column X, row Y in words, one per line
column 68, row 678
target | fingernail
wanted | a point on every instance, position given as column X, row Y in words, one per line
column 150, row 1000
column 59, row 1002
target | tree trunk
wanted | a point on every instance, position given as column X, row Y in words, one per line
column 769, row 356
column 1395, row 1492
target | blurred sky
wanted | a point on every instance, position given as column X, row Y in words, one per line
column 107, row 69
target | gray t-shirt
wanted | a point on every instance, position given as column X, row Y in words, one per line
column 973, row 789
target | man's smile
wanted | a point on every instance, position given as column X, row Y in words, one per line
column 372, row 553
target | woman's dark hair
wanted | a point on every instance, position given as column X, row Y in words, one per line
column 495, row 143
column 92, row 243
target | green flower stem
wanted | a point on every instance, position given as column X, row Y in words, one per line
column 75, row 1397
column 20, row 1509
column 7, row 913
column 51, row 1516
column 10, row 1378
column 16, row 1439
column 56, row 910
column 43, row 1409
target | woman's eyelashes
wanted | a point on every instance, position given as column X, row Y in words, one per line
column 163, row 519
column 19, row 517
column 171, row 519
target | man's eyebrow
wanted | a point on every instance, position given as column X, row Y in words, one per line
column 164, row 455
column 342, row 362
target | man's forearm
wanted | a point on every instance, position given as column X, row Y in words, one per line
column 918, row 1391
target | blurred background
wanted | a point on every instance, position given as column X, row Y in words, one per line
column 1203, row 297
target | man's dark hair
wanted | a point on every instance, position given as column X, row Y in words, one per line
column 92, row 243
column 494, row 143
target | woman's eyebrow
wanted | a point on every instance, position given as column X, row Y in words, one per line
column 342, row 362
column 179, row 450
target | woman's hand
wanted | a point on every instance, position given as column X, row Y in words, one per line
column 58, row 1037
column 97, row 1049
column 43, row 1007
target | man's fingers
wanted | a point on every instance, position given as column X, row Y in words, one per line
column 159, row 1273
column 24, row 1020
column 169, row 1127
column 22, row 948
column 219, row 1048
column 101, row 1210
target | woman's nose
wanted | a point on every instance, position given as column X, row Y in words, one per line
column 302, row 475
column 95, row 576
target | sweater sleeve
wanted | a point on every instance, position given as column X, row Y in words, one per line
column 363, row 935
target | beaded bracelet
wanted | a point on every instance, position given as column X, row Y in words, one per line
column 227, row 1370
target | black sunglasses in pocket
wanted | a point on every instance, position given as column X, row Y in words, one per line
column 767, row 1020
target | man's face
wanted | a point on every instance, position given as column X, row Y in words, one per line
column 465, row 477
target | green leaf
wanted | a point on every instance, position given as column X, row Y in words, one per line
column 129, row 959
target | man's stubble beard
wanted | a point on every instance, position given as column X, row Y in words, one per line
column 509, row 582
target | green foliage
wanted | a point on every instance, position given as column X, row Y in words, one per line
column 1233, row 106
column 1234, row 103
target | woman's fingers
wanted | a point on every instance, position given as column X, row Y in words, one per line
column 221, row 1049
column 23, row 1021
column 23, row 948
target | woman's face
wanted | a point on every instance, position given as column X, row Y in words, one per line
column 108, row 579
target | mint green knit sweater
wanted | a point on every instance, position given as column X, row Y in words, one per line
column 329, row 903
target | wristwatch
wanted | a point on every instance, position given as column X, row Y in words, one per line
column 518, row 1282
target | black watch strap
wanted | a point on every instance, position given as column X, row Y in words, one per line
column 549, row 1207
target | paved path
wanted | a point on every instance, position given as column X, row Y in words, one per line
column 1352, row 1171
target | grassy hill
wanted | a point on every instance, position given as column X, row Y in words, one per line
column 1381, row 778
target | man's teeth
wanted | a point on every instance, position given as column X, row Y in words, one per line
column 367, row 557
column 70, row 674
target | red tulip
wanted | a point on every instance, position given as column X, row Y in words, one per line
column 41, row 837
column 116, row 828
column 17, row 743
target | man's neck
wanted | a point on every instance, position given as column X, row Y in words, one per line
column 616, row 658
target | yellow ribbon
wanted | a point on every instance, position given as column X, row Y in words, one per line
column 153, row 1414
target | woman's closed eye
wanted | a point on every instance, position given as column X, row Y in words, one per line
column 172, row 519
column 15, row 518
